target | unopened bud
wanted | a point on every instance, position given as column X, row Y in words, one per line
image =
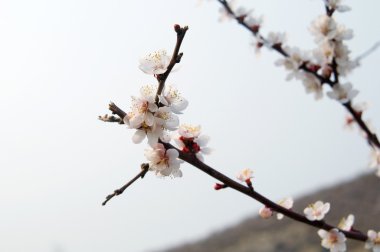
column 265, row 212
column 218, row 186
column 177, row 28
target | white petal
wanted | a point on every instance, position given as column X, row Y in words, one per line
column 172, row 153
column 206, row 150
column 139, row 136
column 152, row 138
column 202, row 140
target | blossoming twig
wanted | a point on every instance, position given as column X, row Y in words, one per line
column 228, row 182
column 141, row 174
column 372, row 137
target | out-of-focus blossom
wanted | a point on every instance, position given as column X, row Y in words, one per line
column 333, row 240
column 312, row 86
column 265, row 212
column 342, row 92
column 275, row 38
column 285, row 203
column 375, row 160
column 316, row 211
column 337, row 5
column 373, row 241
column 293, row 62
column 325, row 28
column 347, row 223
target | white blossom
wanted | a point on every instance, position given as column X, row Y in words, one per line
column 165, row 118
column 172, row 97
column 316, row 211
column 312, row 86
column 163, row 162
column 254, row 22
column 344, row 63
column 347, row 223
column 336, row 5
column 155, row 63
column 148, row 119
column 333, row 240
column 342, row 92
column 293, row 62
column 202, row 142
column 375, row 160
column 373, row 241
column 189, row 131
column 245, row 175
column 275, row 38
column 190, row 140
column 324, row 53
column 285, row 203
column 325, row 28
column 224, row 14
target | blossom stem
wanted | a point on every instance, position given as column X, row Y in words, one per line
column 176, row 58
column 141, row 174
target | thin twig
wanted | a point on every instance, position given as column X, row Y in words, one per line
column 141, row 174
column 176, row 58
column 108, row 118
column 368, row 52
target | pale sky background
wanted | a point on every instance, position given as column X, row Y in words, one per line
column 61, row 62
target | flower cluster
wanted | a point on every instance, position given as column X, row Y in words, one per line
column 154, row 115
column 150, row 119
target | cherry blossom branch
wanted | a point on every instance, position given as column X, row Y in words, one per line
column 176, row 58
column 141, row 174
column 371, row 137
column 228, row 182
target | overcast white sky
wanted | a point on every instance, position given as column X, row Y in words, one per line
column 61, row 62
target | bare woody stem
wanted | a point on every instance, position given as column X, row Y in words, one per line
column 176, row 58
column 372, row 137
column 141, row 174
column 191, row 159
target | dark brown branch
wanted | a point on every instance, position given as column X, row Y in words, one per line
column 176, row 58
column 191, row 159
column 141, row 174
